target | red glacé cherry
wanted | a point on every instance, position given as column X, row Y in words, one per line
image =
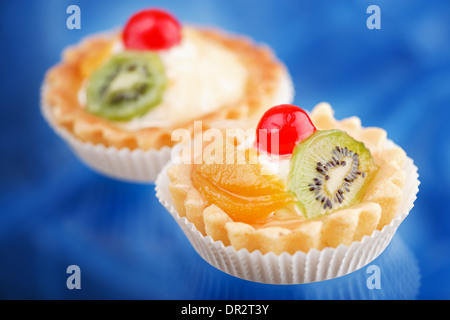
column 151, row 29
column 292, row 123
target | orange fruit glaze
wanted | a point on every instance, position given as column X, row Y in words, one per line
column 241, row 190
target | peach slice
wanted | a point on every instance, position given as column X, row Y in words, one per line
column 241, row 190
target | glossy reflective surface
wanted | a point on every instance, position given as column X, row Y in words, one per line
column 55, row 212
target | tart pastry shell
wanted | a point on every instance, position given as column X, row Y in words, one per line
column 338, row 244
column 138, row 156
column 298, row 267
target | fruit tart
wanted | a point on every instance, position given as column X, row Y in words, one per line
column 303, row 198
column 117, row 97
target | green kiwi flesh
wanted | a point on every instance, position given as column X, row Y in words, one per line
column 329, row 171
column 127, row 85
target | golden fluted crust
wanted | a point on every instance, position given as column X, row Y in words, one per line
column 63, row 82
column 376, row 210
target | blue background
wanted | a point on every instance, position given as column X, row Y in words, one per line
column 55, row 212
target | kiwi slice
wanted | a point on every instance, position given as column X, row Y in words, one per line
column 127, row 85
column 330, row 170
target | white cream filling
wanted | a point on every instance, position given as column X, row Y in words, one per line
column 202, row 77
column 279, row 166
column 275, row 165
column 271, row 164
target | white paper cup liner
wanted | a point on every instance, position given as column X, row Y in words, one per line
column 136, row 165
column 300, row 267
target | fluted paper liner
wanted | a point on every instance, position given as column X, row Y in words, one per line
column 300, row 267
column 140, row 166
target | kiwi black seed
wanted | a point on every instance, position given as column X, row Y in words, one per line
column 127, row 85
column 330, row 170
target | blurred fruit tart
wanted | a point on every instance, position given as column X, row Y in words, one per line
column 129, row 89
column 304, row 181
